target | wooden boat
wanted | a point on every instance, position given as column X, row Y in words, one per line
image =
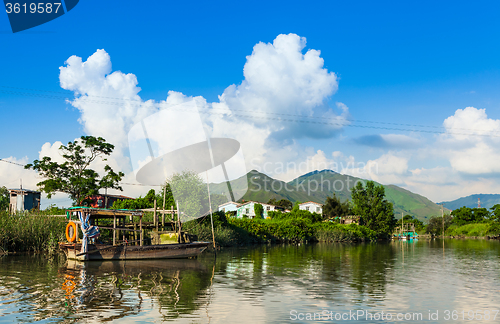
column 123, row 252
column 158, row 243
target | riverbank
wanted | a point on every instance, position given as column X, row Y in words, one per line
column 244, row 231
column 42, row 233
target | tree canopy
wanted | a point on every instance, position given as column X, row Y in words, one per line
column 465, row 215
column 376, row 212
column 333, row 207
column 285, row 203
column 74, row 176
column 4, row 198
column 258, row 209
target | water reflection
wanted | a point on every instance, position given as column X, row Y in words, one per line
column 101, row 291
column 255, row 284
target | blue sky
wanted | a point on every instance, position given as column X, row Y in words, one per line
column 396, row 64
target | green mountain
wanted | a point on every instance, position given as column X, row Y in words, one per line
column 487, row 201
column 317, row 185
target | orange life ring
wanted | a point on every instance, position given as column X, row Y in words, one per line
column 71, row 237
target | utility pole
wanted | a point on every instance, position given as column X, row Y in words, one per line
column 402, row 227
column 442, row 215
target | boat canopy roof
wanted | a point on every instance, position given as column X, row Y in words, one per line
column 104, row 213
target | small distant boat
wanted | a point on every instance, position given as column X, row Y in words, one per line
column 171, row 244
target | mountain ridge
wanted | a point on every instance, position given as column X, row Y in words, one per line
column 318, row 185
column 487, row 201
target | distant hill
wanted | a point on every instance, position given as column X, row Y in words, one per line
column 487, row 201
column 318, row 185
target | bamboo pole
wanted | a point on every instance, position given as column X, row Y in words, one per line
column 179, row 239
column 114, row 230
column 141, row 233
column 210, row 204
column 155, row 216
column 163, row 214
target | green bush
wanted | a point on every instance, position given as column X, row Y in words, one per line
column 475, row 229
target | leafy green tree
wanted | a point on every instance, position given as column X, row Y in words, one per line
column 333, row 207
column 375, row 211
column 189, row 189
column 258, row 209
column 435, row 225
column 138, row 203
column 495, row 212
column 480, row 215
column 4, row 198
column 465, row 215
column 74, row 176
column 284, row 203
column 410, row 219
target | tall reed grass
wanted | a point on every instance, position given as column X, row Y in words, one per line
column 24, row 232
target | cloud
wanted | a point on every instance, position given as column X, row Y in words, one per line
column 471, row 142
column 265, row 112
column 282, row 86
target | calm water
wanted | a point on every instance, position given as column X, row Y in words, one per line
column 273, row 284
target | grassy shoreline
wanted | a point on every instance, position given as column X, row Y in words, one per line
column 25, row 232
column 236, row 232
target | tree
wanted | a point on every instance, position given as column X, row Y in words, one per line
column 285, row 203
column 375, row 211
column 410, row 219
column 480, row 214
column 192, row 194
column 138, row 203
column 495, row 212
column 435, row 225
column 333, row 207
column 4, row 198
column 74, row 176
column 462, row 216
column 258, row 209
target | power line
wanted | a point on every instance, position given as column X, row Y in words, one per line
column 121, row 183
column 340, row 121
column 3, row 160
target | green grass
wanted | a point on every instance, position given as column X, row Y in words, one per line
column 475, row 229
column 29, row 232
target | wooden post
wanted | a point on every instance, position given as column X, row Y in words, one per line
column 140, row 229
column 135, row 233
column 172, row 217
column 155, row 216
column 179, row 239
column 163, row 215
column 114, row 229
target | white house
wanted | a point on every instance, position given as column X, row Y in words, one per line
column 248, row 209
column 229, row 206
column 312, row 206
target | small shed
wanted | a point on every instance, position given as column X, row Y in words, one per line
column 23, row 199
column 105, row 201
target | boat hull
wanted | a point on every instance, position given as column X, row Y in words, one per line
column 123, row 252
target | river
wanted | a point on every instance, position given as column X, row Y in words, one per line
column 432, row 281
